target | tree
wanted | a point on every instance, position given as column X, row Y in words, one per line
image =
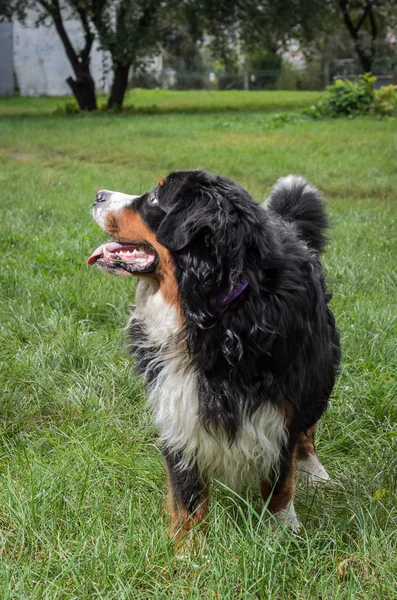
column 368, row 22
column 83, row 86
column 130, row 30
column 239, row 27
column 262, row 24
column 364, row 41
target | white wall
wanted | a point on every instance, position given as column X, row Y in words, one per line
column 6, row 68
column 41, row 64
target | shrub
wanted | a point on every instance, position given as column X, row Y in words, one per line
column 385, row 103
column 354, row 98
column 350, row 97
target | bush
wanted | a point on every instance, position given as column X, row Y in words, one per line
column 356, row 98
column 350, row 98
column 385, row 103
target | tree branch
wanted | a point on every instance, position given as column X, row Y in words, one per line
column 347, row 19
column 89, row 36
column 374, row 28
column 54, row 11
column 50, row 7
column 363, row 17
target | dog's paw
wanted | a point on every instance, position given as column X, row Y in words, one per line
column 288, row 518
column 311, row 470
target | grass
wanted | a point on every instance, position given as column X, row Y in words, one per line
column 82, row 480
column 165, row 101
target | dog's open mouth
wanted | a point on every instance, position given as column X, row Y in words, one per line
column 125, row 259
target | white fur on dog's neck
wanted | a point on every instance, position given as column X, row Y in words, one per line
column 174, row 396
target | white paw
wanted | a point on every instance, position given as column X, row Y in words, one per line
column 288, row 518
column 311, row 469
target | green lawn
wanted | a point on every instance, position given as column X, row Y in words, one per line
column 82, row 479
column 164, row 101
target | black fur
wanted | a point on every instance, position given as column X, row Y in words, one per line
column 277, row 341
column 186, row 484
column 301, row 204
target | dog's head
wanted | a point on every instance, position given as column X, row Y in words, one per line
column 194, row 228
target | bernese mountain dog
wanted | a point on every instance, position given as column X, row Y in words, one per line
column 231, row 330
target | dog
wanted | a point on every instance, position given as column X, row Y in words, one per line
column 231, row 330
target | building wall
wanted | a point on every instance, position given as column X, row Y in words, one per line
column 6, row 63
column 40, row 62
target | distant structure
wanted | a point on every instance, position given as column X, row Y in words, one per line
column 6, row 60
column 33, row 59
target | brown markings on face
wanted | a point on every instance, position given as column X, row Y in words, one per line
column 127, row 226
column 184, row 523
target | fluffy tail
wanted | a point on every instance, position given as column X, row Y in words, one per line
column 298, row 202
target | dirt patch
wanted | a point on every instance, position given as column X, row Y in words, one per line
column 24, row 157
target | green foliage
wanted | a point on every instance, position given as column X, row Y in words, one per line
column 267, row 66
column 347, row 97
column 355, row 98
column 385, row 103
column 166, row 101
column 70, row 108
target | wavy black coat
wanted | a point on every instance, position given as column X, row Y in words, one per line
column 276, row 342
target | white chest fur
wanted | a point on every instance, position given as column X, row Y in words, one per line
column 175, row 401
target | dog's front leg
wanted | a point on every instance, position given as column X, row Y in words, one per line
column 187, row 501
column 279, row 494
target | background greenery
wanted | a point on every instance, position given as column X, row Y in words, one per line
column 82, row 479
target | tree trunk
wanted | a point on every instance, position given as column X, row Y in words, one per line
column 119, row 86
column 365, row 60
column 83, row 88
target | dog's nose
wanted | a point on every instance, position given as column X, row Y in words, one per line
column 101, row 196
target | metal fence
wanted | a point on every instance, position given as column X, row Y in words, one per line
column 286, row 78
column 248, row 80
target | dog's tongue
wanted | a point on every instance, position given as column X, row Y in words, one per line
column 110, row 246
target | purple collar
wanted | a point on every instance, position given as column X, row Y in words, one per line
column 225, row 298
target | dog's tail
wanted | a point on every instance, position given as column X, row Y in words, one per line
column 298, row 202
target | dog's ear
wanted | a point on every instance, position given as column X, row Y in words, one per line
column 206, row 204
column 181, row 224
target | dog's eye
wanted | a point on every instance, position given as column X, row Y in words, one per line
column 153, row 200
